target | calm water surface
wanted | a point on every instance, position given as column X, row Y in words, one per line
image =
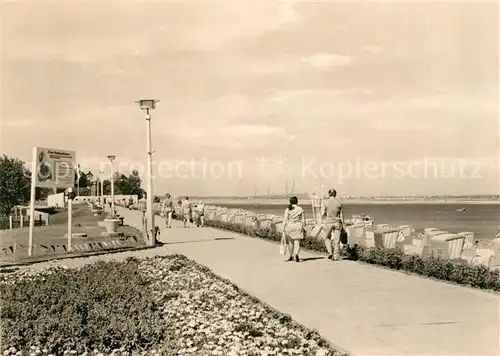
column 484, row 220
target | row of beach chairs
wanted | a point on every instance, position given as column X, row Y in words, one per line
column 432, row 242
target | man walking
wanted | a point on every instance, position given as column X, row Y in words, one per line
column 167, row 210
column 201, row 214
column 332, row 219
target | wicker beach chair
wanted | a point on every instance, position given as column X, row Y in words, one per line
column 468, row 240
column 447, row 246
column 405, row 232
column 356, row 234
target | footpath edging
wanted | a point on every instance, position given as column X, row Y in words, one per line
column 42, row 259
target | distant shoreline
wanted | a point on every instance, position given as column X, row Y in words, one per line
column 232, row 201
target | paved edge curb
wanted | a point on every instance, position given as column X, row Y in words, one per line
column 66, row 257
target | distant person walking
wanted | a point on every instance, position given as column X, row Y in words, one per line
column 332, row 219
column 142, row 206
column 187, row 212
column 201, row 214
column 167, row 210
column 294, row 223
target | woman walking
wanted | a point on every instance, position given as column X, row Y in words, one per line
column 187, row 212
column 294, row 228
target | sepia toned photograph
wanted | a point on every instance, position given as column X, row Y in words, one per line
column 249, row 178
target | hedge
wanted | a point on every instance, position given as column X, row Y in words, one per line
column 456, row 271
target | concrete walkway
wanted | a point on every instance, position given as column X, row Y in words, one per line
column 362, row 309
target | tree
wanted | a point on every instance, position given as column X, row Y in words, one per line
column 15, row 183
column 85, row 179
column 130, row 185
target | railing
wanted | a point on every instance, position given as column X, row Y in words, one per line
column 7, row 223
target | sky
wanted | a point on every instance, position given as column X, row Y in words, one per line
column 386, row 98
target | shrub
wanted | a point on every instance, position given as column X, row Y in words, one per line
column 166, row 305
column 102, row 306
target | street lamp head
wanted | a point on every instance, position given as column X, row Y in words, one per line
column 147, row 104
column 111, row 158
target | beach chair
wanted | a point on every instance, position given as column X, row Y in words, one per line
column 279, row 227
column 385, row 237
column 356, row 234
column 265, row 223
column 495, row 245
column 405, row 232
column 237, row 219
column 431, row 231
column 369, row 240
column 418, row 247
column 248, row 220
column 468, row 240
column 484, row 257
column 309, row 227
column 447, row 246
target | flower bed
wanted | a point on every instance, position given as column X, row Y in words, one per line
column 455, row 271
column 165, row 306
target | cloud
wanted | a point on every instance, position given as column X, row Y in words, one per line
column 61, row 29
column 374, row 80
column 327, row 60
column 20, row 123
column 372, row 49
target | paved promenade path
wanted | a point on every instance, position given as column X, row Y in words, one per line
column 363, row 309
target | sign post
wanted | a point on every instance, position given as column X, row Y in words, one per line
column 70, row 217
column 34, row 172
column 51, row 168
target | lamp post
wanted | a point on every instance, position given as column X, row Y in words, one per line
column 112, row 158
column 101, row 178
column 147, row 105
column 78, row 181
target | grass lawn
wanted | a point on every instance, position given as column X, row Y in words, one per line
column 83, row 222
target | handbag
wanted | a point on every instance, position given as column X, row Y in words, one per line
column 283, row 246
column 344, row 238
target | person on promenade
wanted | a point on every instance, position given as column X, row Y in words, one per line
column 167, row 209
column 294, row 223
column 142, row 206
column 187, row 212
column 201, row 214
column 332, row 219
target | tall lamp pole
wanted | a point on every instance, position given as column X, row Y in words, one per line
column 112, row 158
column 101, row 194
column 147, row 105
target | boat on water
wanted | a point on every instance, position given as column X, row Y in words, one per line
column 462, row 209
column 365, row 219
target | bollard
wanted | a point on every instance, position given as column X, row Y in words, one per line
column 10, row 222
